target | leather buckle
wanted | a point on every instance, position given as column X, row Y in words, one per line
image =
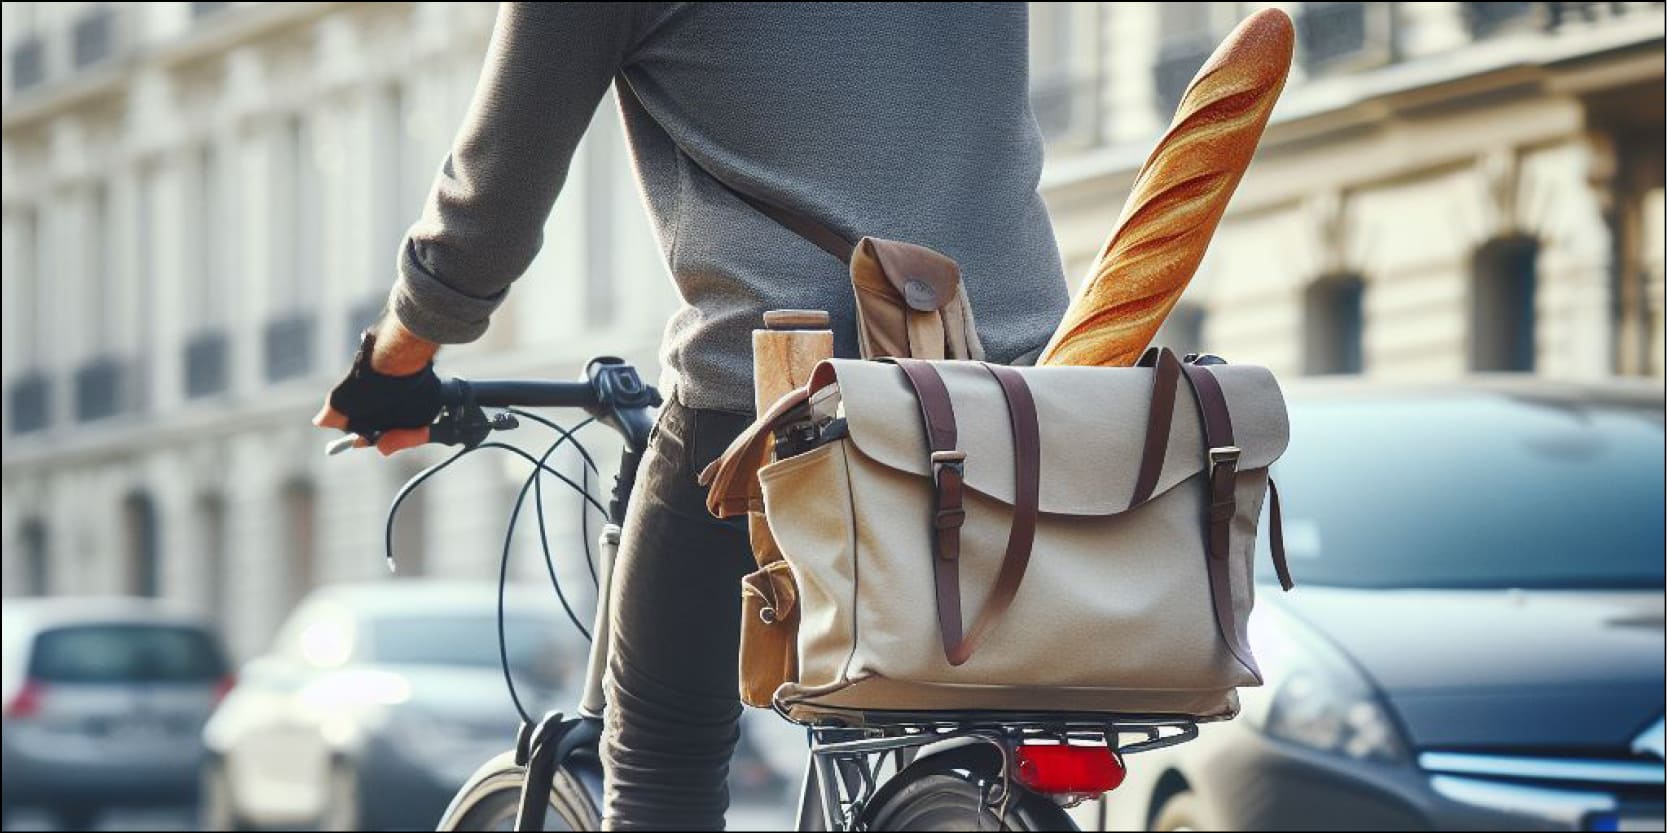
column 949, row 518
column 954, row 459
column 1224, row 455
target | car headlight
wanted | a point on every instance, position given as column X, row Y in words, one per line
column 1314, row 697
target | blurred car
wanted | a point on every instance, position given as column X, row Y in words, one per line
column 105, row 700
column 1475, row 641
column 377, row 701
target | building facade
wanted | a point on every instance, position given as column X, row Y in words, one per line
column 202, row 202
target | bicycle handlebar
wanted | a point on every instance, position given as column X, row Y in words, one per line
column 611, row 392
column 504, row 393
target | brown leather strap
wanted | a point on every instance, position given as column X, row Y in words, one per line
column 732, row 479
column 824, row 238
column 798, row 222
column 1276, row 539
column 1027, row 489
column 948, row 475
column 937, row 414
column 1221, row 477
column 1166, row 377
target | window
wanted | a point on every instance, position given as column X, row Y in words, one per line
column 101, row 383
column 24, row 269
column 296, row 252
column 1064, row 71
column 1502, row 305
column 28, row 390
column 37, row 564
column 145, row 274
column 1487, row 19
column 207, row 234
column 26, row 50
column 144, row 559
column 1333, row 324
column 93, row 35
column 211, row 549
column 298, row 208
column 206, row 240
column 1187, row 36
column 28, row 60
column 299, row 533
column 126, row 653
column 1344, row 36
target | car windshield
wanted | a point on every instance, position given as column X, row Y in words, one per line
column 125, row 654
column 1478, row 491
column 462, row 639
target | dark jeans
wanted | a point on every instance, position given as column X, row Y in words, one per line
column 676, row 606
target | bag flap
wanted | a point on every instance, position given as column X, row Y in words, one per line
column 922, row 279
column 1093, row 424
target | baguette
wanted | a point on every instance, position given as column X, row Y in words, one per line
column 1177, row 198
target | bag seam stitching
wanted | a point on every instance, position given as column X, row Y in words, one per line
column 856, row 564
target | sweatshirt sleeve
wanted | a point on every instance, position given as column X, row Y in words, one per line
column 546, row 70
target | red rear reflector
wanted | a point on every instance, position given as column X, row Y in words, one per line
column 27, row 703
column 224, row 687
column 1068, row 769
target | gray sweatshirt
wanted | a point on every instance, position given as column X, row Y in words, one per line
column 904, row 121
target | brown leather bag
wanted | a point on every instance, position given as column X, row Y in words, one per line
column 910, row 303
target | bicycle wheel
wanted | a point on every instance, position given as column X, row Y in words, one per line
column 948, row 798
column 491, row 797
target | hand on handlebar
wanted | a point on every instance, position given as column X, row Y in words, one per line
column 390, row 395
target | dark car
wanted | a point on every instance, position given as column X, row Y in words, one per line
column 1476, row 638
column 105, row 700
column 377, row 701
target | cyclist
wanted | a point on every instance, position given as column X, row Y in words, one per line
column 905, row 121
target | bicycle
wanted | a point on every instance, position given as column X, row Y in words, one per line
column 874, row 771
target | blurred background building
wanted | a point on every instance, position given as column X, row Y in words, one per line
column 202, row 203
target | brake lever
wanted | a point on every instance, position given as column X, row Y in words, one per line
column 466, row 425
column 346, row 443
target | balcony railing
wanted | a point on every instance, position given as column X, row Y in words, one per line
column 28, row 59
column 94, row 36
column 289, row 346
column 100, row 389
column 1178, row 61
column 206, row 364
column 31, row 402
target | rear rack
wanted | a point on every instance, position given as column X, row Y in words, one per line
column 849, row 749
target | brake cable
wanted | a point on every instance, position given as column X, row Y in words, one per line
column 540, row 467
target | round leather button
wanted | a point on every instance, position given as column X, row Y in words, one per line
column 920, row 295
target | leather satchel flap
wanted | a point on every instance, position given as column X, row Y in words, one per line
column 1093, row 426
column 923, row 279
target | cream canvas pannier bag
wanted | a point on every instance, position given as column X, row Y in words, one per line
column 979, row 537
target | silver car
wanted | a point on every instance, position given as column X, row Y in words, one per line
column 377, row 701
column 1475, row 641
column 105, row 701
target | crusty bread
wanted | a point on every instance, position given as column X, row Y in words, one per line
column 1178, row 198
